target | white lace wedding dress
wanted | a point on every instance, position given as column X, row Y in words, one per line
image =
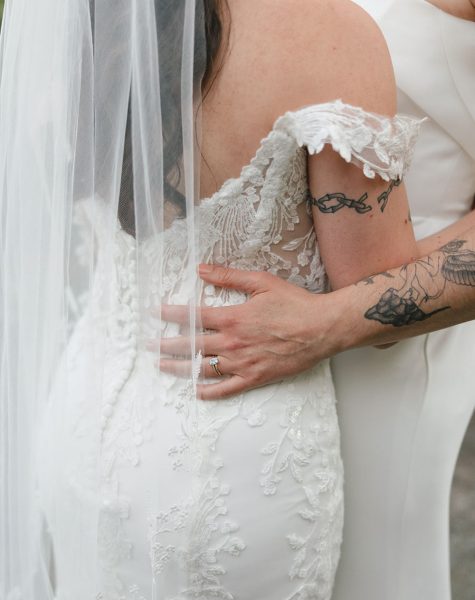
column 249, row 489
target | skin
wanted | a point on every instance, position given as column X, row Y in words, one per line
column 463, row 9
column 247, row 96
column 267, row 339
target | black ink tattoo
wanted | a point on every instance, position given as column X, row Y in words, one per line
column 370, row 280
column 421, row 282
column 459, row 265
column 332, row 203
column 384, row 197
column 393, row 309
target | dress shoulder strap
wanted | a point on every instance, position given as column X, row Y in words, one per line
column 377, row 144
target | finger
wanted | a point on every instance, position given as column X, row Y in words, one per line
column 176, row 313
column 219, row 318
column 183, row 368
column 173, row 313
column 207, row 318
column 211, row 344
column 250, row 282
column 230, row 386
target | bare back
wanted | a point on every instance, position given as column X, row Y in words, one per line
column 281, row 56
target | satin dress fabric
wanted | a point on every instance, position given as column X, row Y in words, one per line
column 403, row 412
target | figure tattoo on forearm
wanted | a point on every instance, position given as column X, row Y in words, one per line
column 332, row 203
column 420, row 282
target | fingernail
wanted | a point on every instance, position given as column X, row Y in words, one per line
column 205, row 269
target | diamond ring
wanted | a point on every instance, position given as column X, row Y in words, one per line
column 214, row 362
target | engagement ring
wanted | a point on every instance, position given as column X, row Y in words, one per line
column 214, row 362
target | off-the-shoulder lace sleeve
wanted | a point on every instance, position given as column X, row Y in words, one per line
column 379, row 145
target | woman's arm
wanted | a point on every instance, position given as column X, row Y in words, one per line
column 283, row 330
column 457, row 229
column 362, row 224
column 463, row 9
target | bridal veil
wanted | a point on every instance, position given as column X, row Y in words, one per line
column 99, row 136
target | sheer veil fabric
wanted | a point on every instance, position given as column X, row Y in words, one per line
column 99, row 125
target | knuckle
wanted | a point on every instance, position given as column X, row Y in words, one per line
column 237, row 315
column 232, row 344
column 266, row 276
column 226, row 276
column 223, row 321
column 258, row 373
column 228, row 320
column 248, row 365
column 268, row 279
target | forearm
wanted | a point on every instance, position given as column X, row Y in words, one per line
column 456, row 230
column 432, row 293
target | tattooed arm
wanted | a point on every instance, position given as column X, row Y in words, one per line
column 362, row 224
column 439, row 239
column 417, row 286
column 430, row 293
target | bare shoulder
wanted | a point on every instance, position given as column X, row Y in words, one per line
column 318, row 50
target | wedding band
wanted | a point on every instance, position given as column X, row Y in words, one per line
column 214, row 362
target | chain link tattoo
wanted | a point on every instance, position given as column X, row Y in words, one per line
column 384, row 197
column 332, row 203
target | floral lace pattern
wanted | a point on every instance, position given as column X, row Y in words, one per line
column 379, row 145
column 173, row 488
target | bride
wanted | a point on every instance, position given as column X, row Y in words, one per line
column 118, row 483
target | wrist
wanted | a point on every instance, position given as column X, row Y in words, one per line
column 350, row 328
column 341, row 324
column 335, row 326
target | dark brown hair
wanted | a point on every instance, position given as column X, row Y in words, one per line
column 209, row 22
column 214, row 32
